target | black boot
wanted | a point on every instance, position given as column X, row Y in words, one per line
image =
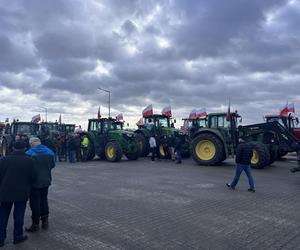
column 34, row 227
column 45, row 223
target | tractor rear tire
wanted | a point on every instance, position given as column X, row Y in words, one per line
column 113, row 151
column 143, row 144
column 273, row 155
column 261, row 156
column 207, row 149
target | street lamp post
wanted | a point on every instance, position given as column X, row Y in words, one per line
column 107, row 91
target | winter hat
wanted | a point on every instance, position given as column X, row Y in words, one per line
column 19, row 145
column 34, row 141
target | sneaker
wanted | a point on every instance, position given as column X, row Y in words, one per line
column 251, row 190
column 229, row 186
column 22, row 239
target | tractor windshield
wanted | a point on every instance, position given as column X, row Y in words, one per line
column 278, row 119
column 25, row 129
column 69, row 128
column 163, row 122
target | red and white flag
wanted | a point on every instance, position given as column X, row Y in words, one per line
column 193, row 114
column 98, row 114
column 140, row 122
column 148, row 111
column 228, row 115
column 288, row 108
column 201, row 113
column 119, row 117
column 36, row 118
column 185, row 128
column 167, row 111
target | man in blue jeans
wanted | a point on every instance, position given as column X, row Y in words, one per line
column 17, row 176
column 244, row 153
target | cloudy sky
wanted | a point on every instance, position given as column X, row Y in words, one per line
column 189, row 54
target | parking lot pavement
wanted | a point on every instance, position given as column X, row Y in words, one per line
column 161, row 205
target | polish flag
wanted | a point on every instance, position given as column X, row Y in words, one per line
column 140, row 122
column 36, row 118
column 148, row 111
column 201, row 113
column 167, row 111
column 288, row 108
column 193, row 114
column 119, row 117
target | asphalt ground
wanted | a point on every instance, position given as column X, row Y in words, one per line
column 161, row 205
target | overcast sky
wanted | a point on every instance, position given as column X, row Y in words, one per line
column 187, row 54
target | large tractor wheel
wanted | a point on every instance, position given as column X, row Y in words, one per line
column 134, row 151
column 4, row 148
column 207, row 149
column 261, row 155
column 273, row 155
column 113, row 151
column 143, row 144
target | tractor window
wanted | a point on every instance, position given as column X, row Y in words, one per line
column 108, row 125
column 163, row 122
column 214, row 122
column 25, row 129
column 149, row 123
column 95, row 126
column 222, row 122
column 118, row 126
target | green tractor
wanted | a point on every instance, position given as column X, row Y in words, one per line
column 109, row 141
column 158, row 126
column 23, row 130
column 212, row 144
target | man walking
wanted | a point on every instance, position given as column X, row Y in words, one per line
column 43, row 159
column 244, row 153
column 16, row 178
column 152, row 143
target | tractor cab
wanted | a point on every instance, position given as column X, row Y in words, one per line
column 67, row 128
column 191, row 125
column 104, row 125
column 290, row 122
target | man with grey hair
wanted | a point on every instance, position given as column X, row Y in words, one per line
column 44, row 161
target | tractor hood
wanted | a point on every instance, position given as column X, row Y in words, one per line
column 121, row 133
column 169, row 131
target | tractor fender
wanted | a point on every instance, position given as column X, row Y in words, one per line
column 213, row 132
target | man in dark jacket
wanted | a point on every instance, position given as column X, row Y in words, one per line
column 244, row 153
column 16, row 178
column 178, row 148
column 43, row 159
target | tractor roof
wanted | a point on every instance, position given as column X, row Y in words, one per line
column 104, row 119
column 157, row 116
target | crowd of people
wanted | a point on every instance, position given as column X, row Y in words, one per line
column 171, row 146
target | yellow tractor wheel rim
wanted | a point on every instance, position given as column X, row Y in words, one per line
column 111, row 152
column 161, row 150
column 255, row 157
column 206, row 150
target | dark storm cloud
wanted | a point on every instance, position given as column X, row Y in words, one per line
column 184, row 53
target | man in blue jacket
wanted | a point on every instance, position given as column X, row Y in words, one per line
column 44, row 161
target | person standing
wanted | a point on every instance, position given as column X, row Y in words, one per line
column 84, row 147
column 152, row 143
column 77, row 139
column 244, row 153
column 43, row 159
column 72, row 148
column 178, row 148
column 16, row 178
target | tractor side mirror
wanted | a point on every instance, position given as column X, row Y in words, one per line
column 127, row 124
column 174, row 120
column 297, row 120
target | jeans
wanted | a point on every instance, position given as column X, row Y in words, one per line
column 239, row 169
column 39, row 204
column 72, row 156
column 19, row 211
column 178, row 156
column 153, row 153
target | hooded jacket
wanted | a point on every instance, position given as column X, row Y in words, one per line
column 43, row 158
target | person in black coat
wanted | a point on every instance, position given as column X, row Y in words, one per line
column 43, row 159
column 178, row 149
column 244, row 153
column 16, row 178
